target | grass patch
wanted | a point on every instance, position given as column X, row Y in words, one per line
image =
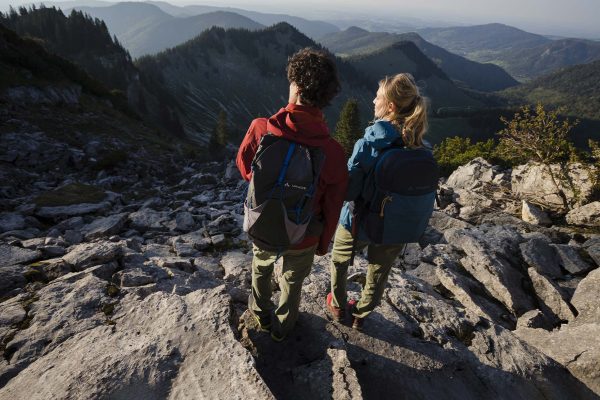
column 75, row 193
column 35, row 275
column 111, row 159
column 112, row 290
column 108, row 309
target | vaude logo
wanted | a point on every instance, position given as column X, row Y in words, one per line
column 288, row 185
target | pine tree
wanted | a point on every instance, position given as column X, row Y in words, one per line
column 348, row 129
column 220, row 136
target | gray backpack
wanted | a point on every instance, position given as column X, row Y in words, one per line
column 279, row 204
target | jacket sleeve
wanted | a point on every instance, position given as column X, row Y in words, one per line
column 249, row 147
column 331, row 205
column 358, row 168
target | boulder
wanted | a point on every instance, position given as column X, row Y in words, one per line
column 534, row 215
column 499, row 277
column 162, row 346
column 11, row 255
column 74, row 223
column 33, row 244
column 58, row 311
column 209, row 264
column 594, row 252
column 534, row 319
column 205, row 198
column 147, row 219
column 52, row 251
column 571, row 260
column 62, row 212
column 438, row 320
column 473, row 200
column 575, row 347
column 550, row 296
column 156, row 250
column 183, row 264
column 12, row 222
column 237, row 265
column 586, row 298
column 73, row 237
column 53, row 268
column 184, row 250
column 223, row 224
column 12, row 278
column 532, row 181
column 427, row 273
column 104, row 227
column 538, row 254
column 471, row 175
column 11, row 313
column 184, row 222
column 140, row 276
column 232, row 171
column 218, row 240
column 587, row 215
column 85, row 255
column 204, row 179
column 197, row 240
column 464, row 290
column 442, row 221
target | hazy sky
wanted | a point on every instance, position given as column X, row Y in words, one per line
column 560, row 17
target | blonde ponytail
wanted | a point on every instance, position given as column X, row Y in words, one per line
column 415, row 125
column 410, row 112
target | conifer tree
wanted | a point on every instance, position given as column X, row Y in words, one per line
column 348, row 129
column 220, row 136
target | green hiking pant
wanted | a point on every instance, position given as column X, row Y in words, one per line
column 296, row 267
column 380, row 257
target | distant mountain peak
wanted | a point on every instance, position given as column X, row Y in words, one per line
column 283, row 27
column 356, row 30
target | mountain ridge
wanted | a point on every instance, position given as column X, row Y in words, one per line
column 155, row 30
column 523, row 54
column 484, row 77
column 576, row 89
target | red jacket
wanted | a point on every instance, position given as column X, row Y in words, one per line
column 305, row 125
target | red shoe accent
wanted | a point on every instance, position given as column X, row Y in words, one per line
column 336, row 313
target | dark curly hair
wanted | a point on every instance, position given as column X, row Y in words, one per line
column 315, row 74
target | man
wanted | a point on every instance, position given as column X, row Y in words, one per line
column 313, row 84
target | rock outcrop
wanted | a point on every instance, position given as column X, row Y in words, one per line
column 143, row 294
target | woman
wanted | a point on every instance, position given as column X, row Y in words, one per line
column 400, row 121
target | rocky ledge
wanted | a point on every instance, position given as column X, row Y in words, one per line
column 121, row 298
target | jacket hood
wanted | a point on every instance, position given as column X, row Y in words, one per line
column 382, row 134
column 302, row 124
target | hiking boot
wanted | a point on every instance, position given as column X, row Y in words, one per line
column 264, row 323
column 357, row 323
column 336, row 313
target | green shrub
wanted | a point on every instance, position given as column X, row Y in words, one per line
column 456, row 151
column 539, row 135
column 75, row 193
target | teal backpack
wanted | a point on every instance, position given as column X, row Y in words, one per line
column 401, row 191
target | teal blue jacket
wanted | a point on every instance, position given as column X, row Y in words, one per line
column 379, row 136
